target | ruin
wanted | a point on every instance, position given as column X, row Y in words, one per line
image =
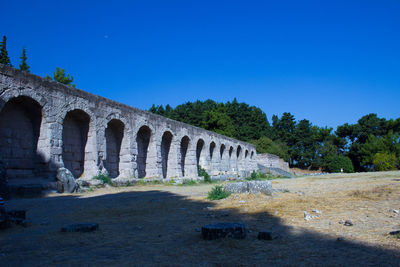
column 45, row 125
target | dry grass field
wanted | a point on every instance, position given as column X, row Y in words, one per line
column 158, row 225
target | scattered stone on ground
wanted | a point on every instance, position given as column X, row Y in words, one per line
column 66, row 181
column 316, row 211
column 348, row 223
column 252, row 187
column 394, row 211
column 221, row 230
column 307, row 216
column 80, row 227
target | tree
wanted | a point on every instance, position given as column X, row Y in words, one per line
column 24, row 66
column 338, row 162
column 4, row 59
column 266, row 145
column 218, row 121
column 385, row 162
column 59, row 76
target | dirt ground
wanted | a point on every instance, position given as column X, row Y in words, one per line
column 159, row 225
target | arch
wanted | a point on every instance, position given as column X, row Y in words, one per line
column 251, row 154
column 143, row 140
column 246, row 153
column 20, row 123
column 212, row 148
column 114, row 135
column 222, row 150
column 183, row 150
column 165, row 148
column 74, row 139
column 199, row 150
column 230, row 152
column 238, row 151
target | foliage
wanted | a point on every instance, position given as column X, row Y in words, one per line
column 385, row 161
column 104, row 178
column 203, row 173
column 218, row 121
column 59, row 76
column 338, row 162
column 4, row 59
column 218, row 192
column 24, row 66
column 190, row 182
column 300, row 143
column 266, row 145
column 254, row 176
column 234, row 119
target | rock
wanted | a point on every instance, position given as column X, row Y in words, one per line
column 29, row 190
column 348, row 223
column 236, row 188
column 80, row 227
column 264, row 236
column 301, row 193
column 65, row 181
column 316, row 211
column 252, row 187
column 82, row 182
column 307, row 216
column 395, row 232
column 394, row 211
column 341, row 222
column 264, row 187
column 221, row 230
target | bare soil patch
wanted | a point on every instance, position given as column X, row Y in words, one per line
column 158, row 225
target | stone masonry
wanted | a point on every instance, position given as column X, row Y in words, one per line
column 45, row 125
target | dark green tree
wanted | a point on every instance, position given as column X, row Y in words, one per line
column 59, row 76
column 24, row 66
column 4, row 59
column 218, row 121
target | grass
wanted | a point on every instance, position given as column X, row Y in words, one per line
column 259, row 176
column 104, row 178
column 218, row 192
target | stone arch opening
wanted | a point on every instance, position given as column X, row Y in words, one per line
column 199, row 150
column 230, row 152
column 143, row 141
column 74, row 137
column 222, row 150
column 238, row 151
column 212, row 148
column 246, row 154
column 165, row 148
column 252, row 155
column 114, row 134
column 183, row 149
column 20, row 121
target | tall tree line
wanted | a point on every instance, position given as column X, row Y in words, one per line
column 372, row 143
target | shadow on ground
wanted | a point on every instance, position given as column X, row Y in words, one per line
column 161, row 228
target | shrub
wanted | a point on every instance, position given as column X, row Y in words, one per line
column 338, row 162
column 218, row 193
column 384, row 162
column 104, row 178
column 189, row 182
column 203, row 173
column 259, row 176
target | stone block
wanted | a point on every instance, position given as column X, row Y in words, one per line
column 222, row 230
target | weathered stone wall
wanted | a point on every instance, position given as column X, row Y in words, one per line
column 272, row 161
column 46, row 125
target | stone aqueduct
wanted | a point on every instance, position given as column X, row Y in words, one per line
column 45, row 125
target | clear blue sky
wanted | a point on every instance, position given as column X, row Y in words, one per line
column 327, row 61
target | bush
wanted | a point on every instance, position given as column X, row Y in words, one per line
column 257, row 176
column 203, row 173
column 218, row 193
column 104, row 178
column 338, row 162
column 384, row 162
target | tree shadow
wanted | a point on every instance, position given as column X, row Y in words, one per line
column 155, row 227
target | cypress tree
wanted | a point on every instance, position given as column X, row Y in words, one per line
column 23, row 65
column 4, row 59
